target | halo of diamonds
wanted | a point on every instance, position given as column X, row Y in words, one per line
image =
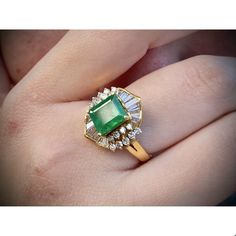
column 126, row 133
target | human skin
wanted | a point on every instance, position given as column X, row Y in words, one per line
column 189, row 126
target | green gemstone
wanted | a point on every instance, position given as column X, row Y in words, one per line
column 108, row 115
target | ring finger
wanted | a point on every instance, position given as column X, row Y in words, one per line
column 184, row 97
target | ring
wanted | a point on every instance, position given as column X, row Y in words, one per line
column 113, row 121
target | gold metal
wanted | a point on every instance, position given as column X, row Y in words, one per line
column 138, row 151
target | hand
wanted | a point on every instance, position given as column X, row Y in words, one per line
column 188, row 126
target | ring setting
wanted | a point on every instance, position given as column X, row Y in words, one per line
column 113, row 121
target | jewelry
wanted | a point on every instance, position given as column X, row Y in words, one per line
column 113, row 121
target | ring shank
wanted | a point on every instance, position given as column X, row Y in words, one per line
column 138, row 151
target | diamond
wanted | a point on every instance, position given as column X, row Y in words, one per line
column 126, row 141
column 135, row 120
column 122, row 130
column 106, row 91
column 103, row 142
column 134, row 107
column 129, row 126
column 108, row 115
column 119, row 144
column 137, row 131
column 113, row 90
column 102, row 96
column 112, row 147
column 116, row 135
column 131, row 135
column 89, row 125
column 135, row 116
column 91, row 131
column 125, row 96
column 110, row 138
column 131, row 102
column 122, row 95
column 95, row 100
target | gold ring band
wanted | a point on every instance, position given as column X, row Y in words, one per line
column 138, row 151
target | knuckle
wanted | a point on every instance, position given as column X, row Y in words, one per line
column 18, row 117
column 210, row 75
column 42, row 187
column 13, row 120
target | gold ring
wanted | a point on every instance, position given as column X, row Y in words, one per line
column 113, row 121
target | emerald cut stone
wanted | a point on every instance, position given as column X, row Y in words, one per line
column 108, row 115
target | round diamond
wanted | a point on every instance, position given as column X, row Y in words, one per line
column 122, row 130
column 110, row 138
column 119, row 144
column 137, row 131
column 129, row 126
column 106, row 91
column 126, row 141
column 112, row 147
column 113, row 89
column 116, row 135
column 95, row 100
column 102, row 95
column 131, row 135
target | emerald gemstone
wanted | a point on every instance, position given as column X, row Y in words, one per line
column 108, row 115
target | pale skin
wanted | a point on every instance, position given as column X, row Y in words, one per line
column 189, row 124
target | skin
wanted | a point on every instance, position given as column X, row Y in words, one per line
column 189, row 124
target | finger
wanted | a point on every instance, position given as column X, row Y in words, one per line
column 198, row 171
column 177, row 101
column 22, row 49
column 84, row 61
column 4, row 82
column 182, row 98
